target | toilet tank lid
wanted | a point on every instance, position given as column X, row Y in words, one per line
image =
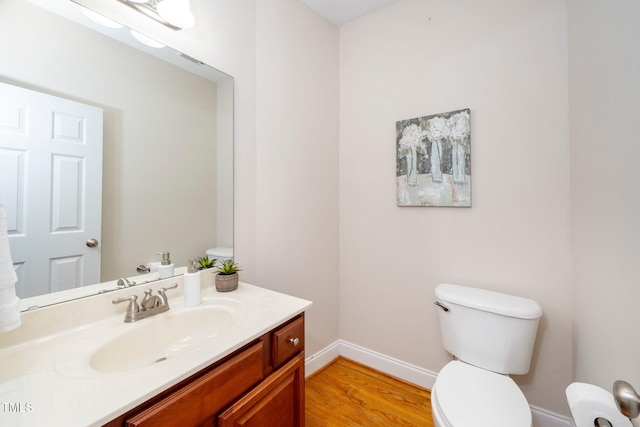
column 494, row 302
column 221, row 252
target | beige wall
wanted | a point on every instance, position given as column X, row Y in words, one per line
column 297, row 161
column 224, row 168
column 604, row 66
column 510, row 68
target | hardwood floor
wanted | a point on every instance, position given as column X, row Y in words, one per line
column 346, row 393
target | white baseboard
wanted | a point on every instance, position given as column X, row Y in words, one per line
column 544, row 418
column 407, row 372
column 321, row 359
column 388, row 365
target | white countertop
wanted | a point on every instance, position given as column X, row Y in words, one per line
column 48, row 381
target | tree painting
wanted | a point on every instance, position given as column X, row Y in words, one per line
column 433, row 160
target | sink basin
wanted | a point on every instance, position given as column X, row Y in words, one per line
column 162, row 337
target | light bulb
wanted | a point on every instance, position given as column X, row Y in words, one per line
column 176, row 12
column 100, row 19
column 146, row 40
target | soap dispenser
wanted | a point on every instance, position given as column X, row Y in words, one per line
column 165, row 269
column 191, row 283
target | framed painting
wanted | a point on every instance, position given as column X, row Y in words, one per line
column 433, row 160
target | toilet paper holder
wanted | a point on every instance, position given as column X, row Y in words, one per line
column 626, row 398
column 601, row 422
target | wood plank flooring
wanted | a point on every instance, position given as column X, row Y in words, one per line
column 348, row 394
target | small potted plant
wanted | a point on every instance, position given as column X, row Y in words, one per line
column 205, row 263
column 208, row 274
column 227, row 277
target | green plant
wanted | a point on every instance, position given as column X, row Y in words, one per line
column 228, row 267
column 205, row 262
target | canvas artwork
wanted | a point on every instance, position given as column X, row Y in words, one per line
column 433, row 160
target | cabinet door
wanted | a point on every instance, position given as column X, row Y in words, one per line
column 206, row 396
column 276, row 402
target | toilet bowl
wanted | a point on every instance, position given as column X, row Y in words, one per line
column 467, row 396
column 491, row 336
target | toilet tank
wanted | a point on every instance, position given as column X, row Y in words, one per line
column 487, row 329
column 220, row 254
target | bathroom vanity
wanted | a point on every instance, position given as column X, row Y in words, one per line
column 235, row 360
column 261, row 384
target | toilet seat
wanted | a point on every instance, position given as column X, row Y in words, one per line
column 468, row 396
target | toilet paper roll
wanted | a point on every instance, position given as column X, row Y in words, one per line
column 588, row 402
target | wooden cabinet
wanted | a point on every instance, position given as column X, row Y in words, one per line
column 270, row 403
column 193, row 402
column 262, row 384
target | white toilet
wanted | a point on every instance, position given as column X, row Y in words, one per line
column 491, row 335
column 220, row 254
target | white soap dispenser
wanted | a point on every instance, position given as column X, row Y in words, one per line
column 165, row 269
column 191, row 283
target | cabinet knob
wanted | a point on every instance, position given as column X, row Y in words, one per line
column 294, row 341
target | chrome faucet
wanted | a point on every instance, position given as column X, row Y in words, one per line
column 123, row 282
column 149, row 306
column 149, row 301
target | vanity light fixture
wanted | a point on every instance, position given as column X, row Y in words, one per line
column 175, row 14
column 103, row 20
column 100, row 19
column 146, row 40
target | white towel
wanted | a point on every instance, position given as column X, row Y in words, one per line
column 7, row 294
column 10, row 315
column 9, row 303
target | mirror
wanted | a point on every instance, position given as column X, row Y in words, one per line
column 167, row 173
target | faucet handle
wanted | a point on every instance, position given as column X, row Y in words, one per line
column 162, row 290
column 132, row 298
column 133, row 303
column 161, row 293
